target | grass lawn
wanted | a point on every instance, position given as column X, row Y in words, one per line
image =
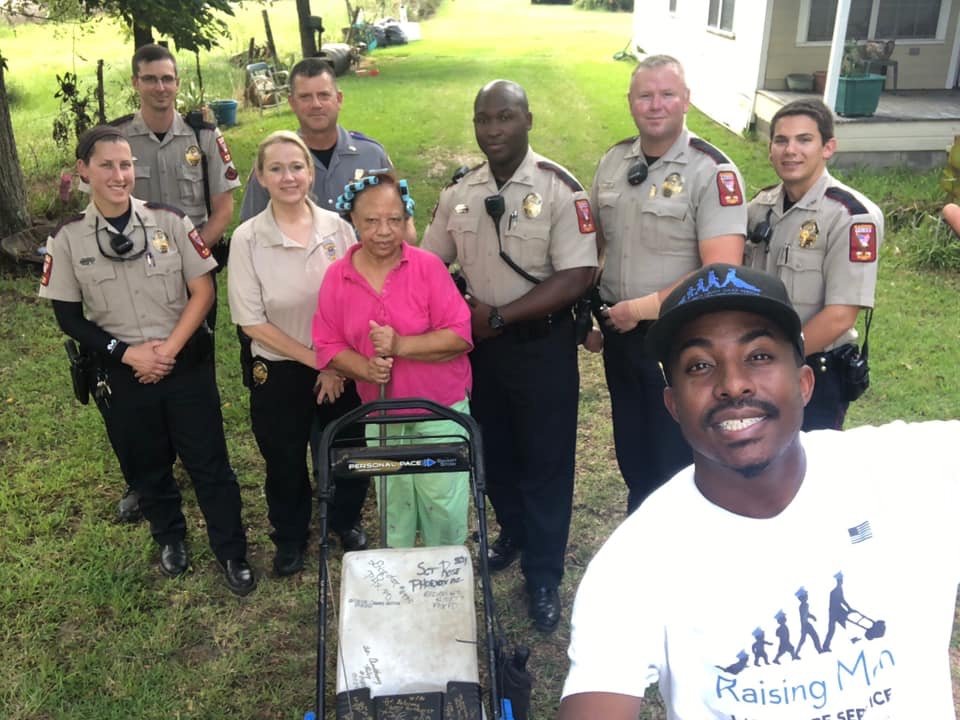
column 91, row 629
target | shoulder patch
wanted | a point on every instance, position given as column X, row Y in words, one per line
column 121, row 120
column 707, row 149
column 198, row 244
column 863, row 242
column 847, row 199
column 569, row 180
column 356, row 135
column 67, row 221
column 163, row 206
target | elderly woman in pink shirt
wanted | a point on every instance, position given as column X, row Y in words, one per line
column 390, row 314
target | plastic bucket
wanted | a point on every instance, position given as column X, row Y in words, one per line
column 225, row 111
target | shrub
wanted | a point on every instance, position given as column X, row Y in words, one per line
column 930, row 245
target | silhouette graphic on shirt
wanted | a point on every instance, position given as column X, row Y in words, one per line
column 739, row 665
column 783, row 635
column 759, row 651
column 839, row 610
column 806, row 628
column 839, row 613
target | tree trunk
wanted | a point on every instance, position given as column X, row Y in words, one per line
column 13, row 194
column 308, row 39
column 142, row 34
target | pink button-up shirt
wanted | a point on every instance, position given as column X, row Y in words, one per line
column 419, row 296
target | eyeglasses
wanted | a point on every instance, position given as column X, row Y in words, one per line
column 154, row 80
column 762, row 232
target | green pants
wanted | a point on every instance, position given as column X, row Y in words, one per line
column 434, row 503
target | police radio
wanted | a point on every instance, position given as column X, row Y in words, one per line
column 495, row 208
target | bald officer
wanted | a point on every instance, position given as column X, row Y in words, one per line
column 822, row 239
column 521, row 228
column 131, row 283
column 667, row 202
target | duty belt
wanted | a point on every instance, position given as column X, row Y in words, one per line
column 539, row 328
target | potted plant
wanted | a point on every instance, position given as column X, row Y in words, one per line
column 858, row 92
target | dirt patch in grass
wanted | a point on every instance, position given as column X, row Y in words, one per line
column 442, row 163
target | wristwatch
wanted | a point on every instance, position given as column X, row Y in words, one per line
column 496, row 319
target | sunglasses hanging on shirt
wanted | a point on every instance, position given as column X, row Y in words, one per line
column 120, row 243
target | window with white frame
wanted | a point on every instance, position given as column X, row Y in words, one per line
column 884, row 19
column 720, row 15
column 823, row 12
column 908, row 19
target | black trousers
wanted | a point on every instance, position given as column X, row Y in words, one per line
column 827, row 409
column 650, row 447
column 149, row 425
column 284, row 413
column 525, row 395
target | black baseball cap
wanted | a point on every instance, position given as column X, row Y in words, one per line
column 718, row 287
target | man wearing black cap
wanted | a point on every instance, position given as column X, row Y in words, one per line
column 746, row 549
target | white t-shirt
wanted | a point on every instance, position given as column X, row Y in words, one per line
column 728, row 612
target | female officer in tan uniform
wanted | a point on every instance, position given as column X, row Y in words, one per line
column 130, row 281
column 278, row 260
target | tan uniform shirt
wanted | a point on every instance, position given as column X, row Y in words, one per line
column 169, row 170
column 133, row 300
column 547, row 226
column 652, row 230
column 824, row 248
column 274, row 280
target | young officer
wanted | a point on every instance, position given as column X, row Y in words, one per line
column 822, row 239
column 130, row 281
column 177, row 164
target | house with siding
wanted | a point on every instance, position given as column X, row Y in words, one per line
column 738, row 53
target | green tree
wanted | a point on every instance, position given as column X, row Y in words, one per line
column 191, row 24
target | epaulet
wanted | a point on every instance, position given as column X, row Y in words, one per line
column 626, row 141
column 764, row 189
column 461, row 172
column 163, row 206
column 67, row 221
column 121, row 120
column 569, row 180
column 847, row 199
column 707, row 149
column 356, row 135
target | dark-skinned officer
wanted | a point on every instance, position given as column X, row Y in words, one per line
column 522, row 231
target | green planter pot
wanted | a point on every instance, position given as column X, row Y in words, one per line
column 859, row 96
